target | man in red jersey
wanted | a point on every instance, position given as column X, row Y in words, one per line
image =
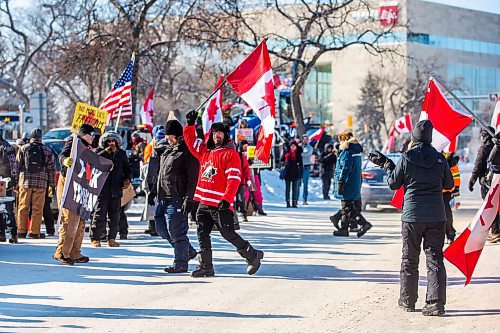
column 218, row 181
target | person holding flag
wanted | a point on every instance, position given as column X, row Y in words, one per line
column 424, row 173
column 219, row 178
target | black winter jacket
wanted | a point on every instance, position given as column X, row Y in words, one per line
column 8, row 163
column 328, row 161
column 154, row 165
column 480, row 169
column 178, row 174
column 424, row 173
column 121, row 170
column 66, row 152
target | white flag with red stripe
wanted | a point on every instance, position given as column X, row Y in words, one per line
column 253, row 81
column 447, row 121
column 495, row 120
column 389, row 144
column 213, row 111
column 316, row 136
column 464, row 252
column 147, row 111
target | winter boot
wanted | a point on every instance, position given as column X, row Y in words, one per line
column 82, row 260
column 236, row 222
column 3, row 238
column 335, row 218
column 13, row 240
column 192, row 254
column 22, row 235
column 206, row 268
column 344, row 229
column 96, row 243
column 294, row 204
column 435, row 308
column 36, row 236
column 113, row 243
column 341, row 232
column 175, row 270
column 245, row 218
column 364, row 228
column 252, row 257
column 405, row 306
column 288, row 204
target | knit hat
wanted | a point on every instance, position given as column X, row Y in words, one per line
column 156, row 129
column 36, row 134
column 85, row 129
column 422, row 132
column 160, row 134
column 173, row 127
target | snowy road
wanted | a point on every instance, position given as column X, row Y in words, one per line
column 309, row 282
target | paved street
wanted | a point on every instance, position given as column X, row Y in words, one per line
column 309, row 282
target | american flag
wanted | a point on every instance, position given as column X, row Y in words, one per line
column 120, row 95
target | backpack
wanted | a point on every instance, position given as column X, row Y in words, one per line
column 34, row 158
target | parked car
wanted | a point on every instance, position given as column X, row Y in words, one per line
column 60, row 133
column 374, row 188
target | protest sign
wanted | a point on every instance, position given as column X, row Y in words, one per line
column 86, row 114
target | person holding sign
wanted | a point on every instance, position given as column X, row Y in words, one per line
column 71, row 232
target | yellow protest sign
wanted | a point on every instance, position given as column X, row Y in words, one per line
column 86, row 114
column 251, row 151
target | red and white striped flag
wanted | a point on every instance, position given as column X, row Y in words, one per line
column 495, row 120
column 147, row 111
column 213, row 111
column 253, row 81
column 316, row 136
column 119, row 96
column 389, row 144
column 464, row 252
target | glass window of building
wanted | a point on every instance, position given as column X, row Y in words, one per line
column 318, row 94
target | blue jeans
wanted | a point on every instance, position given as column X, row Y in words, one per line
column 305, row 182
column 172, row 225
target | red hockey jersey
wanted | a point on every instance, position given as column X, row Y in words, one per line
column 220, row 171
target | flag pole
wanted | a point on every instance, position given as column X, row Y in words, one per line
column 436, row 77
column 208, row 98
column 118, row 119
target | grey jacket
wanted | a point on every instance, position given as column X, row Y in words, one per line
column 424, row 173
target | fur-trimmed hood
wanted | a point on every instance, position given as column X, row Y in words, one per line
column 350, row 144
column 110, row 135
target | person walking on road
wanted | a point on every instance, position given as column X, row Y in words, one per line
column 293, row 169
column 328, row 159
column 347, row 185
column 68, row 249
column 307, row 152
column 218, row 181
column 424, row 173
column 177, row 180
column 37, row 174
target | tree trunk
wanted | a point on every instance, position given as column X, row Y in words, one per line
column 297, row 110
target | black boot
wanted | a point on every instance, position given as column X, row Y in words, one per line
column 288, row 204
column 206, row 267
column 294, row 204
column 344, row 230
column 175, row 270
column 433, row 309
column 335, row 218
column 252, row 257
column 192, row 254
column 3, row 238
column 364, row 228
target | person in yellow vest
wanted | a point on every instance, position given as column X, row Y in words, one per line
column 448, row 195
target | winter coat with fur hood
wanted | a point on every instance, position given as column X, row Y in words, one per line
column 121, row 168
column 348, row 170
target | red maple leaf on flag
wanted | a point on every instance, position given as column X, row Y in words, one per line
column 88, row 171
column 212, row 109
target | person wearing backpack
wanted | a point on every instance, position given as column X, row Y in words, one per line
column 37, row 174
column 8, row 169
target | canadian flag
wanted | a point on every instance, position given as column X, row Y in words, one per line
column 147, row 111
column 253, row 81
column 213, row 111
column 403, row 125
column 495, row 120
column 447, row 121
column 389, row 144
column 464, row 252
column 317, row 134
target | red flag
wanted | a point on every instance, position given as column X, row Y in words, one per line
column 147, row 111
column 464, row 252
column 213, row 111
column 317, row 134
column 398, row 198
column 447, row 121
column 253, row 81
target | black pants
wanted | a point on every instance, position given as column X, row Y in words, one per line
column 294, row 186
column 9, row 216
column 326, row 177
column 240, row 200
column 123, row 223
column 107, row 208
column 207, row 217
column 48, row 217
column 351, row 214
column 432, row 233
column 450, row 231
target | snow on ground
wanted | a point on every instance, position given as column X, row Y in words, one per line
column 309, row 281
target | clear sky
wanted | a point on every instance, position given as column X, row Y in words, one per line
column 492, row 6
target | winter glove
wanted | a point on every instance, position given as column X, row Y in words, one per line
column 50, row 192
column 126, row 183
column 191, row 117
column 378, row 158
column 472, row 181
column 452, row 161
column 389, row 165
column 341, row 188
column 188, row 206
column 68, row 162
column 151, row 199
column 223, row 205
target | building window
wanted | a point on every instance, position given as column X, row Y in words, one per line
column 451, row 43
column 318, row 94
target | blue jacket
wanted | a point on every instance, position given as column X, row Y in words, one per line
column 348, row 170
